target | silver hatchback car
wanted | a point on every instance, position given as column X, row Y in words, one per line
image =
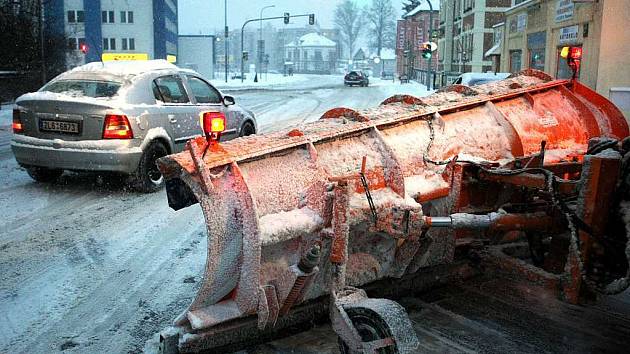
column 117, row 116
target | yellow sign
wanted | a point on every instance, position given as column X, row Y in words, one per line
column 125, row 56
column 171, row 58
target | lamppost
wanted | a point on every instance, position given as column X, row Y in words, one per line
column 227, row 56
column 260, row 39
column 429, row 76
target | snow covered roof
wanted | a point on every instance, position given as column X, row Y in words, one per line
column 125, row 67
column 424, row 6
column 494, row 50
column 313, row 40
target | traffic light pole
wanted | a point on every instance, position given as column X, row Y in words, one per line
column 429, row 76
column 243, row 32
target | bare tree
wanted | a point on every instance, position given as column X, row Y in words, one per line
column 382, row 19
column 350, row 23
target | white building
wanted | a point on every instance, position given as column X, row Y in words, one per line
column 114, row 29
column 312, row 53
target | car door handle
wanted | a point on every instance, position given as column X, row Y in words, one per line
column 172, row 119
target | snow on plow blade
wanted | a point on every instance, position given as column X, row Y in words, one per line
column 348, row 200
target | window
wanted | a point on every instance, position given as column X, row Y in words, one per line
column 515, row 61
column 203, row 92
column 132, row 44
column 112, row 43
column 124, row 44
column 81, row 42
column 126, row 16
column 87, row 88
column 169, row 89
column 105, row 43
column 77, row 16
column 537, row 59
column 72, row 44
column 107, row 16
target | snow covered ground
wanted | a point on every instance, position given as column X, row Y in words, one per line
column 277, row 82
column 6, row 115
column 90, row 267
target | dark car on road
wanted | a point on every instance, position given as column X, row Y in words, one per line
column 357, row 77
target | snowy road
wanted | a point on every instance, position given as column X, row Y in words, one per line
column 89, row 267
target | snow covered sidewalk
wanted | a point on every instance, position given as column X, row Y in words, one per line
column 279, row 82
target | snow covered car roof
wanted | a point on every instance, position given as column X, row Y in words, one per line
column 124, row 67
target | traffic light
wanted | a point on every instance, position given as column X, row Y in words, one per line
column 426, row 50
column 286, row 18
column 311, row 19
column 245, row 55
column 84, row 48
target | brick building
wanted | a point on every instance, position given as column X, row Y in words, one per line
column 412, row 31
column 466, row 34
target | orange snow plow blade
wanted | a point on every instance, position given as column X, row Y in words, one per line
column 359, row 196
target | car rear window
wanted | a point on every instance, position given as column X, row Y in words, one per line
column 86, row 88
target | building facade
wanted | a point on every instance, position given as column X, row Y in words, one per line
column 114, row 29
column 413, row 30
column 536, row 30
column 466, row 34
column 312, row 53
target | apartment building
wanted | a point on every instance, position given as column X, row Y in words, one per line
column 114, row 29
column 412, row 30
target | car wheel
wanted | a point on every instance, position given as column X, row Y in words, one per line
column 148, row 178
column 247, row 129
column 44, row 174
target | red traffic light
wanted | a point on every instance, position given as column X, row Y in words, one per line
column 84, row 48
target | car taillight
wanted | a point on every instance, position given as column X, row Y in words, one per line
column 17, row 122
column 117, row 127
column 213, row 124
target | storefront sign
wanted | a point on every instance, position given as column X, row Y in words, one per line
column 171, row 58
column 569, row 34
column 400, row 43
column 564, row 10
column 124, row 56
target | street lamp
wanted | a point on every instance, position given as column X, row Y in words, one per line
column 226, row 43
column 260, row 40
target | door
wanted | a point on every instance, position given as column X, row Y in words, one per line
column 207, row 98
column 178, row 116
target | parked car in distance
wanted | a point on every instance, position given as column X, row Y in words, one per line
column 387, row 75
column 117, row 116
column 472, row 79
column 356, row 77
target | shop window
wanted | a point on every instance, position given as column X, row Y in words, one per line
column 537, row 59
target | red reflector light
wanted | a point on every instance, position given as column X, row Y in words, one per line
column 117, row 127
column 17, row 122
column 575, row 53
column 213, row 122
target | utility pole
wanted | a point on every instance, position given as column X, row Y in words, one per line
column 227, row 54
column 429, row 75
column 259, row 57
column 41, row 40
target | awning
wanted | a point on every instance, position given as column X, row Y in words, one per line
column 495, row 50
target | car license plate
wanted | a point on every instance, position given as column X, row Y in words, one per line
column 59, row 126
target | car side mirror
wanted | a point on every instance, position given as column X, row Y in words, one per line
column 228, row 100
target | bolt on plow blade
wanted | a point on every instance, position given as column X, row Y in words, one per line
column 321, row 211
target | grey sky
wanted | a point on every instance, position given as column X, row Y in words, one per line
column 206, row 16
